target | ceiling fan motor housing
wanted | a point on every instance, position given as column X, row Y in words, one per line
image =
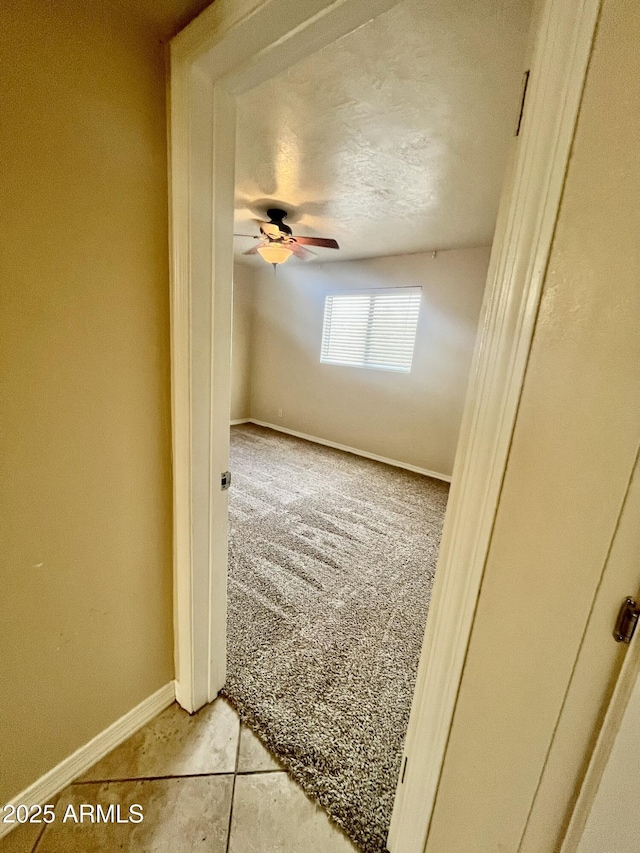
column 276, row 216
column 278, row 236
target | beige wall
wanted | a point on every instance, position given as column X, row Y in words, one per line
column 241, row 341
column 412, row 418
column 85, row 610
column 575, row 441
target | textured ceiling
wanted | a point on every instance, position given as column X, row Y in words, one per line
column 393, row 139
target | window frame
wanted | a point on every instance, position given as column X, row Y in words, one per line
column 370, row 291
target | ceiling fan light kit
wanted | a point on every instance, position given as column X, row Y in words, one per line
column 278, row 242
column 275, row 253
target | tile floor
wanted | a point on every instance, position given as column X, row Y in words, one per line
column 205, row 783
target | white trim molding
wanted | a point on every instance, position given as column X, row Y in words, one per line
column 238, row 421
column 521, row 248
column 46, row 787
column 347, row 449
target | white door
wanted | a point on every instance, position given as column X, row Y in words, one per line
column 612, row 820
column 605, row 817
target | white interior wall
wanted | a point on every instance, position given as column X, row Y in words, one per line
column 243, row 284
column 412, row 418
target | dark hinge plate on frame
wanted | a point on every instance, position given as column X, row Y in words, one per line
column 525, row 85
column 626, row 621
column 404, row 770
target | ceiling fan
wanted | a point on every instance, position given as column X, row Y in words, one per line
column 278, row 243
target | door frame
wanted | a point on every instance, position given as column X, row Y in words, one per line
column 231, row 47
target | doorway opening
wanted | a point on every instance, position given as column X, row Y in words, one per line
column 388, row 148
column 214, row 62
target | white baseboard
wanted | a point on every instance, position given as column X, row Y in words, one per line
column 365, row 453
column 47, row 786
column 239, row 421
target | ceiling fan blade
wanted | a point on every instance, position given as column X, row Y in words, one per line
column 317, row 241
column 253, row 236
column 252, row 251
column 299, row 252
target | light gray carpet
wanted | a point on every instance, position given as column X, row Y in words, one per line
column 331, row 563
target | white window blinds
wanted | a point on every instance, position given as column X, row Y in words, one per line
column 371, row 328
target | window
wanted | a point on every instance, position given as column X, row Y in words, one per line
column 371, row 328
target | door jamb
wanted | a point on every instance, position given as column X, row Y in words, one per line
column 231, row 46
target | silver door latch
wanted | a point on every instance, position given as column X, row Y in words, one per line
column 225, row 480
column 626, row 621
